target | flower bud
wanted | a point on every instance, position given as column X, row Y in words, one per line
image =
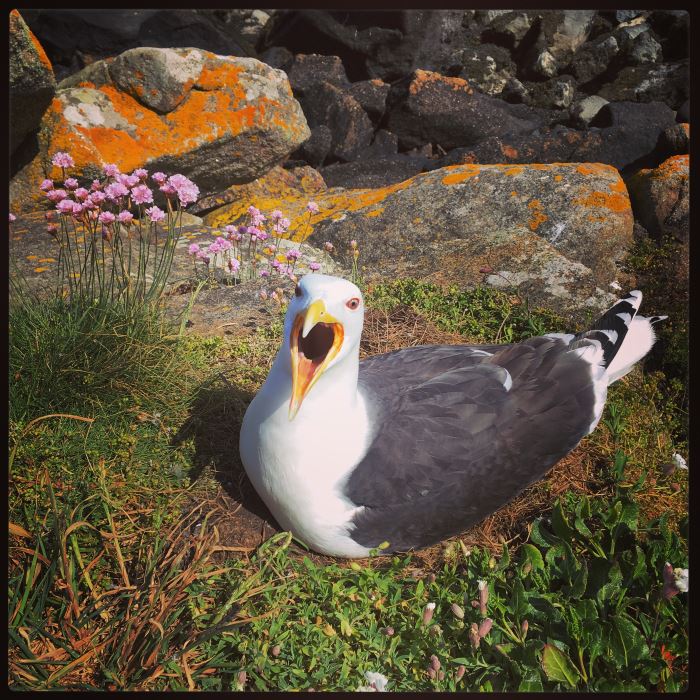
column 431, row 578
column 486, row 270
column 523, row 629
column 428, row 611
column 389, row 631
column 435, row 631
column 527, row 568
column 441, row 675
column 457, row 611
column 485, row 626
column 460, row 672
column 432, row 674
column 434, row 663
column 483, row 597
column 275, row 651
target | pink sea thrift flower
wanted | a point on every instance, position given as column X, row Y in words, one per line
column 276, row 215
column 97, row 197
column 65, row 206
column 231, row 230
column 46, row 185
column 140, row 173
column 115, row 190
column 70, row 183
column 12, row 217
column 96, row 185
column 314, row 266
column 293, row 254
column 63, row 160
column 214, row 248
column 111, row 170
column 141, row 194
column 155, row 214
column 128, row 180
column 187, row 191
column 106, row 217
column 56, row 195
column 353, row 244
column 125, row 217
column 329, row 246
column 234, row 265
column 312, row 207
column 193, row 249
column 264, row 273
column 159, row 178
column 81, row 193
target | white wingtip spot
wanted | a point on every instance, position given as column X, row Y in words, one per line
column 626, row 318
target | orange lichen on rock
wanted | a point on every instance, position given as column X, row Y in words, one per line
column 224, row 75
column 512, row 169
column 460, row 174
column 595, row 169
column 673, row 166
column 421, row 78
column 375, row 212
column 538, row 216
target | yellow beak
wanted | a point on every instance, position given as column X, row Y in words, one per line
column 316, row 338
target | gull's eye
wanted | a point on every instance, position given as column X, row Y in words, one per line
column 353, row 303
column 297, row 291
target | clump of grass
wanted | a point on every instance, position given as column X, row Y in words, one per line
column 480, row 314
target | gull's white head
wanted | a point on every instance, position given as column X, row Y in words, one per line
column 322, row 327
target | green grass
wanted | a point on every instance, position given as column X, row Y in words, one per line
column 118, row 579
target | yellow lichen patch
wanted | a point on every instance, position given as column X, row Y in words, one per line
column 675, row 165
column 513, row 194
column 538, row 216
column 40, row 269
column 557, row 178
column 423, row 77
column 375, row 212
column 614, row 202
column 225, row 75
column 463, row 173
column 32, row 257
column 513, row 169
column 47, row 260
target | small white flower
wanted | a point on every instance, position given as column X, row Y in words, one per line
column 615, row 285
column 482, row 584
column 681, row 576
column 376, row 680
column 679, row 461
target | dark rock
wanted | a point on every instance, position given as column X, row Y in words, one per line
column 350, row 126
column 309, row 71
column 169, row 28
column 556, row 93
column 663, row 82
column 594, row 58
column 644, row 49
column 278, row 57
column 384, row 144
column 32, row 82
column 515, row 92
column 373, row 44
column 563, row 31
column 249, row 24
column 676, row 139
column 508, row 30
column 373, row 172
column 660, row 198
column 683, row 113
column 315, row 150
column 449, row 112
column 371, row 95
column 629, row 140
column 672, row 28
column 487, row 67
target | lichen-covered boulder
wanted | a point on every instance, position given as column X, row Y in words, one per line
column 661, row 198
column 530, row 221
column 32, row 82
column 219, row 120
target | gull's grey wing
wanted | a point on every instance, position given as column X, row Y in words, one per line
column 459, row 432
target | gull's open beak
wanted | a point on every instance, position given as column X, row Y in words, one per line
column 315, row 340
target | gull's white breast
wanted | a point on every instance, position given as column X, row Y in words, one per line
column 299, row 467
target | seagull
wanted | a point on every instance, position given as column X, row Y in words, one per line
column 417, row 445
